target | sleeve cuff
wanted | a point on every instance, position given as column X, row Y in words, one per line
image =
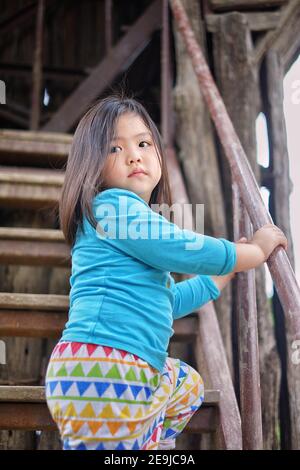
column 230, row 262
column 213, row 288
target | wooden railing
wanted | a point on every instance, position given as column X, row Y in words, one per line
column 252, row 204
column 212, row 353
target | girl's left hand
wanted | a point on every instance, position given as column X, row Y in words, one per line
column 242, row 240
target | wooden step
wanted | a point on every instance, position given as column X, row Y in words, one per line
column 25, row 408
column 39, row 149
column 45, row 315
column 36, row 247
column 30, row 188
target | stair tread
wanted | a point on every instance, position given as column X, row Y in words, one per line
column 36, row 394
column 23, row 301
column 35, row 142
column 21, row 233
column 38, row 247
column 30, row 175
column 45, row 316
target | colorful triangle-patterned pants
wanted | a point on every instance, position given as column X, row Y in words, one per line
column 106, row 398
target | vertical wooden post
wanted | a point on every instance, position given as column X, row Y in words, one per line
column 279, row 207
column 278, row 262
column 166, row 107
column 108, row 26
column 37, row 68
column 246, row 318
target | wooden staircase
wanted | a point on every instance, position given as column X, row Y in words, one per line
column 44, row 316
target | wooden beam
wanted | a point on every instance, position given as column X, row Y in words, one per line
column 18, row 18
column 292, row 8
column 257, row 21
column 49, row 73
column 119, row 59
column 12, row 116
column 287, row 43
column 223, row 5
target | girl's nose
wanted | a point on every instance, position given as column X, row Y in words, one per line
column 134, row 157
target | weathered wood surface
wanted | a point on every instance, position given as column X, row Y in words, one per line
column 45, row 315
column 36, row 234
column 256, row 21
column 288, row 42
column 37, row 73
column 198, row 157
column 129, row 46
column 245, row 311
column 222, row 5
column 238, row 84
column 278, row 262
column 25, row 408
column 287, row 14
column 19, row 246
column 29, row 188
column 279, row 202
column 24, row 356
column 36, row 149
column 36, row 394
column 211, row 354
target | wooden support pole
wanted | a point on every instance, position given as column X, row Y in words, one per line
column 37, row 69
column 166, row 108
column 279, row 265
column 279, row 207
column 278, row 262
column 247, row 335
column 108, row 26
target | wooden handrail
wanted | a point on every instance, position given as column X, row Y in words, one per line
column 278, row 263
column 229, row 434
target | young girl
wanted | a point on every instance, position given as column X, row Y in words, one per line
column 110, row 383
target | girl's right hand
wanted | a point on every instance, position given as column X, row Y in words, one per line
column 267, row 238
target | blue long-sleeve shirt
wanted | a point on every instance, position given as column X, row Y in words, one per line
column 122, row 293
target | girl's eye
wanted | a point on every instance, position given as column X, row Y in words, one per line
column 111, row 150
column 116, row 146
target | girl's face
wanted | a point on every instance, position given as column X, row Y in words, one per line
column 132, row 148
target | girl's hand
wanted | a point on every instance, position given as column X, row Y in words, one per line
column 242, row 240
column 267, row 238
